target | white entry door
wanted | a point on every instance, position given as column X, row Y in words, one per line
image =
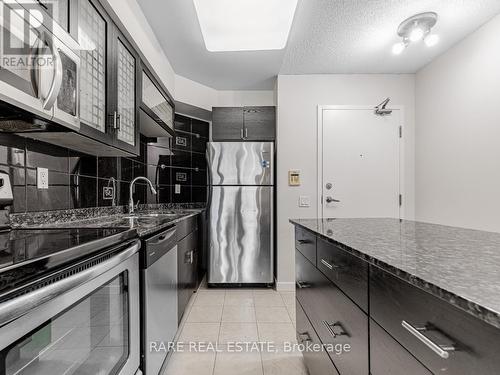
column 359, row 163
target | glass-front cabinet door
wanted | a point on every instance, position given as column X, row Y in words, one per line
column 126, row 120
column 93, row 37
column 90, row 337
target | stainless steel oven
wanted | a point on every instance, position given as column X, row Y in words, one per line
column 83, row 319
column 39, row 66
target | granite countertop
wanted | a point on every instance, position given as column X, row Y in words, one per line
column 144, row 225
column 148, row 219
column 460, row 266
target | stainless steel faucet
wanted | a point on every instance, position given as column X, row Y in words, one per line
column 131, row 206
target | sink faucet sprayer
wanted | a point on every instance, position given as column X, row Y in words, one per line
column 131, row 206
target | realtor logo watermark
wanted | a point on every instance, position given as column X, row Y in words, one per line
column 25, row 34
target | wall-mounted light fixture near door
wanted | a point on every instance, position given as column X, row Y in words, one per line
column 415, row 29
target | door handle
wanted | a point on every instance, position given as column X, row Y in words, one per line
column 331, row 200
column 304, row 337
column 302, row 285
column 441, row 350
column 335, row 329
column 330, row 266
column 304, row 242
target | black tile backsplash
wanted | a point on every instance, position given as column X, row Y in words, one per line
column 78, row 180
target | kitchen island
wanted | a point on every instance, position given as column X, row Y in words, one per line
column 407, row 297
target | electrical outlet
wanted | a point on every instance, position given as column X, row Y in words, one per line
column 42, row 178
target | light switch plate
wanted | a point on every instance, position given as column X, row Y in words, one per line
column 42, row 178
column 177, row 189
column 304, row 201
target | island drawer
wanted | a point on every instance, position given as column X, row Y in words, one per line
column 337, row 320
column 348, row 272
column 388, row 357
column 186, row 226
column 317, row 361
column 430, row 328
column 305, row 242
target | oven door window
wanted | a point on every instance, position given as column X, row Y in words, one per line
column 91, row 337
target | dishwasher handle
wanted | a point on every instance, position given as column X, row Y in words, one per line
column 157, row 246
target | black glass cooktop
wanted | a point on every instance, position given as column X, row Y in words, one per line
column 28, row 254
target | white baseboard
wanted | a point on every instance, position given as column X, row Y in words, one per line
column 285, row 286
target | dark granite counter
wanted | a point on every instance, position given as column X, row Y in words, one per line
column 148, row 219
column 460, row 266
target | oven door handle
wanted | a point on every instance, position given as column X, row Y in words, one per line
column 55, row 87
column 19, row 306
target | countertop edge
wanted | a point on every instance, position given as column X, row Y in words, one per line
column 472, row 308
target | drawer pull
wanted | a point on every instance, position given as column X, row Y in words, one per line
column 335, row 329
column 303, row 242
column 440, row 350
column 302, row 285
column 328, row 265
column 304, row 337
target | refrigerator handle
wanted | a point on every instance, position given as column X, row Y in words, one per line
column 209, row 180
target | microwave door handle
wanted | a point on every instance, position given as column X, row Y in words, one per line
column 34, row 71
column 49, row 101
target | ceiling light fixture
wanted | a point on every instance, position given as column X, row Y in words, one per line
column 245, row 25
column 416, row 28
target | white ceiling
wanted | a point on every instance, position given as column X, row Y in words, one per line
column 328, row 36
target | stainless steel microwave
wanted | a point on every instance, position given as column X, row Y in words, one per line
column 39, row 68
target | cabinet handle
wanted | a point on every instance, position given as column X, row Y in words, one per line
column 241, row 134
column 328, row 265
column 118, row 122
column 246, row 133
column 302, row 285
column 335, row 329
column 441, row 350
column 304, row 337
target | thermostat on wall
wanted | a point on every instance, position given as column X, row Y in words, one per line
column 294, row 177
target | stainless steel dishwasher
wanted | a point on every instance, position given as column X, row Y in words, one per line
column 159, row 299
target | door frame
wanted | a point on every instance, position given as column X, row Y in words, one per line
column 321, row 109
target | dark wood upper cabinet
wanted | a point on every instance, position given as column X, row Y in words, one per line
column 109, row 84
column 259, row 123
column 244, row 123
column 125, row 93
column 95, row 37
column 227, row 124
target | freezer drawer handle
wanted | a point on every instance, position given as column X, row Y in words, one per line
column 302, row 285
column 335, row 329
column 441, row 350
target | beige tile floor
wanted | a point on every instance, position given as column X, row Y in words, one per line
column 221, row 317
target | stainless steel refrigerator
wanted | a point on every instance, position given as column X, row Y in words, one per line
column 240, row 207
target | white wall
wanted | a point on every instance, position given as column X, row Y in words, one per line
column 182, row 89
column 194, row 93
column 458, row 134
column 245, row 98
column 130, row 14
column 298, row 97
